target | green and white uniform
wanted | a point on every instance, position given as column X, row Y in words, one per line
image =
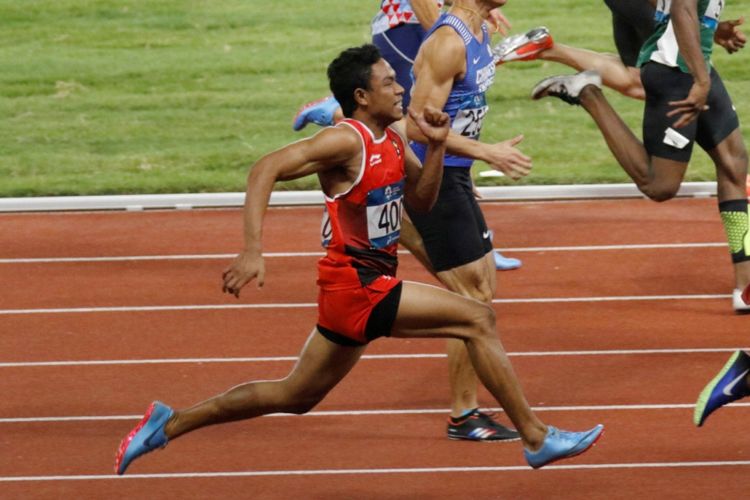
column 662, row 48
column 666, row 78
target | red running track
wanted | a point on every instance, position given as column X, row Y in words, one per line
column 98, row 317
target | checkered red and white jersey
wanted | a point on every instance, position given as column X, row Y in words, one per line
column 395, row 12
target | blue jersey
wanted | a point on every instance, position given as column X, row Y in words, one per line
column 466, row 104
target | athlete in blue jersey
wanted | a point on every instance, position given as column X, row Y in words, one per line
column 398, row 30
column 453, row 70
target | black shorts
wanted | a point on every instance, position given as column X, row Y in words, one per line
column 664, row 84
column 454, row 231
column 632, row 23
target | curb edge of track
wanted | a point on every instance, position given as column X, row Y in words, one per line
column 189, row 201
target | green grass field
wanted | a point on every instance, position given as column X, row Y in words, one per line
column 161, row 96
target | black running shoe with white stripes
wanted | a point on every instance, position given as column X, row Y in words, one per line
column 478, row 426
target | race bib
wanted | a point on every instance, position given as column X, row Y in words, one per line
column 470, row 116
column 713, row 13
column 384, row 207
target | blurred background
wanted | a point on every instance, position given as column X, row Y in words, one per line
column 173, row 96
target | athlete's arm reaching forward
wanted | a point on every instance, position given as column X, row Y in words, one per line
column 335, row 155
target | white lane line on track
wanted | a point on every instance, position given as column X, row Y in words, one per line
column 271, row 359
column 129, row 258
column 364, row 413
column 155, row 308
column 66, row 310
column 412, row 470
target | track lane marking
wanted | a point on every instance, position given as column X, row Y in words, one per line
column 365, row 413
column 412, row 470
column 199, row 307
column 130, row 258
column 271, row 359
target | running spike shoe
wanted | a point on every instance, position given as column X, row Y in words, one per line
column 729, row 385
column 147, row 436
column 524, row 47
column 319, row 112
column 561, row 444
column 741, row 300
column 566, row 87
column 503, row 263
column 478, row 426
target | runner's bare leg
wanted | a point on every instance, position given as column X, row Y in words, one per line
column 428, row 311
column 321, row 365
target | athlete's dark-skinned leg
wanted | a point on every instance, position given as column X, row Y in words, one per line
column 730, row 158
column 657, row 178
column 321, row 365
column 428, row 311
column 476, row 280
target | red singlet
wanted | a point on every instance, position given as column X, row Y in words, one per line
column 360, row 232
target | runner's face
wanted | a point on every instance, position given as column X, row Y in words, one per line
column 385, row 94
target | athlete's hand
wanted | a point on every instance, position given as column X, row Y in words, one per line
column 506, row 158
column 432, row 122
column 499, row 22
column 246, row 267
column 729, row 36
column 689, row 108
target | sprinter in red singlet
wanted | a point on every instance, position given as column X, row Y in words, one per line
column 365, row 172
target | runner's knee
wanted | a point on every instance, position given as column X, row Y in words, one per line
column 484, row 321
column 481, row 292
column 474, row 285
column 661, row 192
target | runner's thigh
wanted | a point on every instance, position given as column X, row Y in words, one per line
column 429, row 311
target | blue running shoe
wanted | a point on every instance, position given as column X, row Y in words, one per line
column 319, row 112
column 147, row 436
column 503, row 263
column 562, row 444
column 729, row 385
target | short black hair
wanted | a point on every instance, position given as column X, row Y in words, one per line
column 350, row 71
